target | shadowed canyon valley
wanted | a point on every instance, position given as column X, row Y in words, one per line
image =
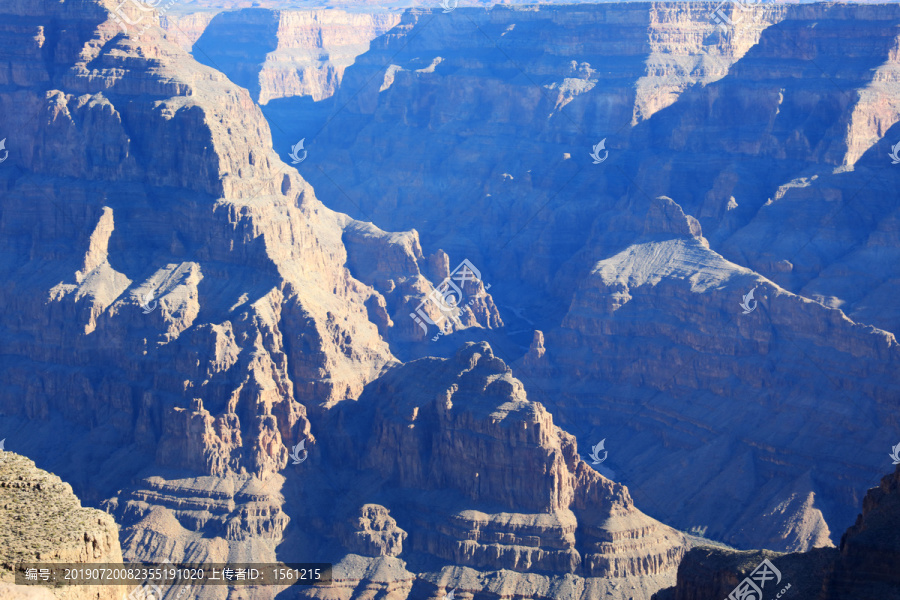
column 566, row 301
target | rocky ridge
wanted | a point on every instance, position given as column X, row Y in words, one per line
column 456, row 462
column 617, row 310
column 863, row 568
column 194, row 312
column 42, row 521
column 749, row 158
column 279, row 54
column 189, row 302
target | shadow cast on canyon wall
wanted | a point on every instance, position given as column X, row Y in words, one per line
column 241, row 59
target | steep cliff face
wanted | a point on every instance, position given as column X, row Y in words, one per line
column 468, row 472
column 751, row 155
column 713, row 376
column 250, row 312
column 42, row 521
column 180, row 310
column 186, row 300
column 278, row 54
column 185, row 29
column 870, row 548
column 863, row 568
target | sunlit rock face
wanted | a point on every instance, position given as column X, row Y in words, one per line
column 280, row 53
column 175, row 297
column 480, row 477
column 42, row 521
column 180, row 312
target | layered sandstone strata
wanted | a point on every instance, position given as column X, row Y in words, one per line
column 170, row 517
column 280, row 53
column 188, row 303
column 250, row 312
column 375, row 533
column 773, row 151
column 481, row 478
column 196, row 313
column 185, row 30
column 685, row 379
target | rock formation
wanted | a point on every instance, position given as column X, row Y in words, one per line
column 185, row 30
column 482, row 481
column 188, row 302
column 279, row 54
column 626, row 307
column 737, row 157
column 375, row 533
column 180, row 311
column 863, row 568
column 42, row 521
column 870, row 549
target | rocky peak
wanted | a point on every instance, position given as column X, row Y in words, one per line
column 863, row 568
column 870, row 548
column 664, row 215
column 535, row 355
column 375, row 533
column 468, row 452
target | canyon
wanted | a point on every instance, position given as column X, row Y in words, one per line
column 180, row 311
column 754, row 159
column 861, row 568
column 676, row 239
column 279, row 54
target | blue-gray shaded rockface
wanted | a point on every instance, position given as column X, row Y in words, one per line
column 175, row 299
column 747, row 157
column 863, row 567
column 277, row 54
column 198, row 345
